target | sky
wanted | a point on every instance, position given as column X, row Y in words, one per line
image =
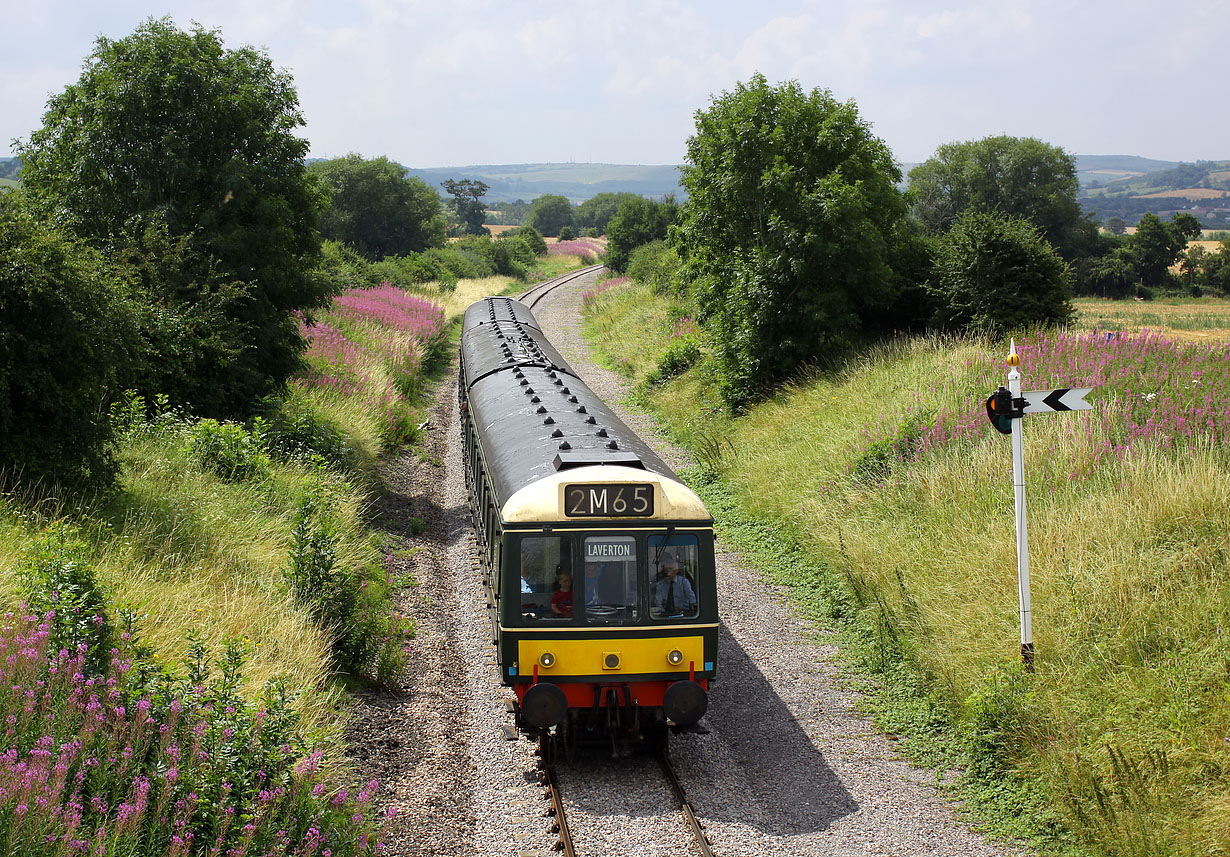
column 435, row 84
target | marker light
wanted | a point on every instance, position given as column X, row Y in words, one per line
column 547, row 660
column 675, row 658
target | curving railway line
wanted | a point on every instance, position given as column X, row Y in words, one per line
column 532, row 297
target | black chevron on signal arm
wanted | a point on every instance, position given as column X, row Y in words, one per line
column 1053, row 401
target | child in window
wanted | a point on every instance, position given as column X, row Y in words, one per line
column 561, row 601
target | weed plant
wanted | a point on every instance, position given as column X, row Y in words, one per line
column 879, row 495
column 141, row 760
column 587, row 252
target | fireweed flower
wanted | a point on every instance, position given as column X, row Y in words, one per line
column 1151, row 391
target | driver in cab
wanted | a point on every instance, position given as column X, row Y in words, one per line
column 673, row 594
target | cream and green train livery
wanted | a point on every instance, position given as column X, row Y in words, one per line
column 598, row 561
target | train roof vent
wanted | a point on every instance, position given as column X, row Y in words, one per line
column 587, row 457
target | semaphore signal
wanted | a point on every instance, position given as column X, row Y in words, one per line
column 1005, row 409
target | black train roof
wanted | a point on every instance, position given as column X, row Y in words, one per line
column 533, row 414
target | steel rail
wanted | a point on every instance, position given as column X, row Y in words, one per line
column 548, row 777
column 547, row 286
column 564, row 843
column 698, row 833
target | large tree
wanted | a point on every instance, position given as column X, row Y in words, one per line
column 596, row 212
column 1012, row 176
column 467, row 197
column 550, row 213
column 377, row 209
column 167, row 129
column 788, row 230
column 637, row 221
column 1156, row 245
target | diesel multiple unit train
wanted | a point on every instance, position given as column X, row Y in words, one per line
column 597, row 560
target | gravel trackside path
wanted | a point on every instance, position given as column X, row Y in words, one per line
column 788, row 768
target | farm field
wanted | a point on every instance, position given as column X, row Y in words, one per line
column 1192, row 319
column 1192, row 193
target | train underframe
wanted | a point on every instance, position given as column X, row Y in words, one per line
column 625, row 715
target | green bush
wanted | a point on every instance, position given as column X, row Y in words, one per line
column 994, row 274
column 414, row 269
column 656, row 265
column 879, row 456
column 531, row 236
column 60, row 582
column 680, row 355
column 462, row 262
column 293, row 430
column 342, row 268
column 340, row 598
column 68, row 336
column 567, row 234
column 229, row 450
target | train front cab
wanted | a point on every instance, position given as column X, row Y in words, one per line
column 628, row 655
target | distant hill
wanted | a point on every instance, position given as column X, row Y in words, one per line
column 1201, row 189
column 9, row 168
column 578, row 182
column 1095, row 170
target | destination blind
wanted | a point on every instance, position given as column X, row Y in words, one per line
column 633, row 500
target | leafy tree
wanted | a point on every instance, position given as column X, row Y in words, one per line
column 67, row 332
column 167, row 127
column 638, row 221
column 596, row 212
column 788, row 231
column 1113, row 275
column 510, row 213
column 1013, row 176
column 1116, row 225
column 1157, row 245
column 1215, row 272
column 468, row 203
column 550, row 213
column 377, row 209
column 995, row 274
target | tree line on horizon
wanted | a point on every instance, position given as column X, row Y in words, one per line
column 169, row 233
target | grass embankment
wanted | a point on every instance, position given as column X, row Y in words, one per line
column 235, row 574
column 879, row 494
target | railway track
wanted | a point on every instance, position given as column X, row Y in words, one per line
column 566, row 843
column 532, row 296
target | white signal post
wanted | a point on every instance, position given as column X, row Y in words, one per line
column 1022, row 535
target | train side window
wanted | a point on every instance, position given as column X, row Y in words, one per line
column 544, row 559
column 673, row 568
column 609, row 582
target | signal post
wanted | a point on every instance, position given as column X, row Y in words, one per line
column 1005, row 409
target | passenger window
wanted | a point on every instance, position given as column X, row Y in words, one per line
column 673, row 572
column 545, row 562
column 608, row 584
